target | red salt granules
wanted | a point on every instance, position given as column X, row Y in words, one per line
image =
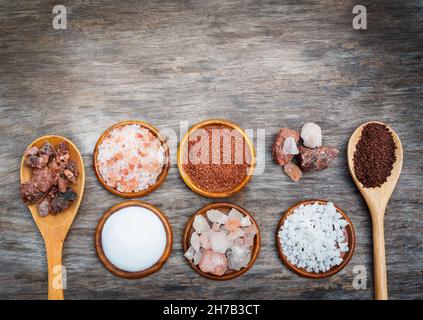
column 217, row 159
column 374, row 157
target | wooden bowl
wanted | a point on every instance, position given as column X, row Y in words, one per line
column 139, row 274
column 160, row 179
column 187, row 179
column 224, row 207
column 349, row 234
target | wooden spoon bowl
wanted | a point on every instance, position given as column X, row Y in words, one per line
column 377, row 200
column 225, row 207
column 55, row 228
column 183, row 146
column 139, row 274
column 160, row 179
column 346, row 256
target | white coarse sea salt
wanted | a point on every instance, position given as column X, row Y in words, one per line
column 313, row 237
column 133, row 239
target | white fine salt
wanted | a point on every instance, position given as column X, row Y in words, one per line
column 313, row 237
column 133, row 239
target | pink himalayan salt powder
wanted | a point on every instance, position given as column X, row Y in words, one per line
column 130, row 158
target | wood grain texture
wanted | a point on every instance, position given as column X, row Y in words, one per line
column 259, row 63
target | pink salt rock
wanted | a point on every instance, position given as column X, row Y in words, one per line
column 213, row 263
column 235, row 214
column 219, row 241
column 215, row 227
column 189, row 254
column 290, row 146
column 200, row 224
column 238, row 233
column 249, row 235
column 205, row 240
column 277, row 149
column 238, row 257
column 195, row 241
column 197, row 257
column 317, row 158
column 311, row 134
column 293, row 171
column 246, row 221
column 232, row 224
column 215, row 216
column 239, row 242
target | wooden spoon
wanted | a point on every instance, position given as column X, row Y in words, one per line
column 55, row 228
column 377, row 200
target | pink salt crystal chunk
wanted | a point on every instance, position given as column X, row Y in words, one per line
column 290, row 146
column 195, row 241
column 215, row 227
column 200, row 224
column 293, row 171
column 205, row 240
column 238, row 257
column 232, row 224
column 219, row 241
column 197, row 257
column 216, row 216
column 214, row 263
column 246, row 221
column 238, row 233
column 277, row 149
column 239, row 242
column 190, row 253
column 249, row 235
column 235, row 214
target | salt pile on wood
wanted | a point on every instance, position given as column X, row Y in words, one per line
column 130, row 158
column 313, row 237
column 221, row 242
column 133, row 239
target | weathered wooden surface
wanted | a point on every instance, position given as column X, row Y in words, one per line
column 263, row 64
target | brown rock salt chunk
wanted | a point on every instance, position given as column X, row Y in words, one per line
column 63, row 148
column 30, row 192
column 317, row 158
column 277, row 149
column 213, row 263
column 44, row 207
column 47, row 149
column 73, row 167
column 31, row 161
column 293, row 171
column 63, row 184
column 43, row 178
column 31, row 151
column 70, row 176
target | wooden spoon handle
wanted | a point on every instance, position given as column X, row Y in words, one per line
column 379, row 259
column 56, row 274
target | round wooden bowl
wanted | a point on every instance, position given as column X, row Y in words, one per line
column 187, row 179
column 224, row 207
column 139, row 274
column 346, row 256
column 160, row 179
